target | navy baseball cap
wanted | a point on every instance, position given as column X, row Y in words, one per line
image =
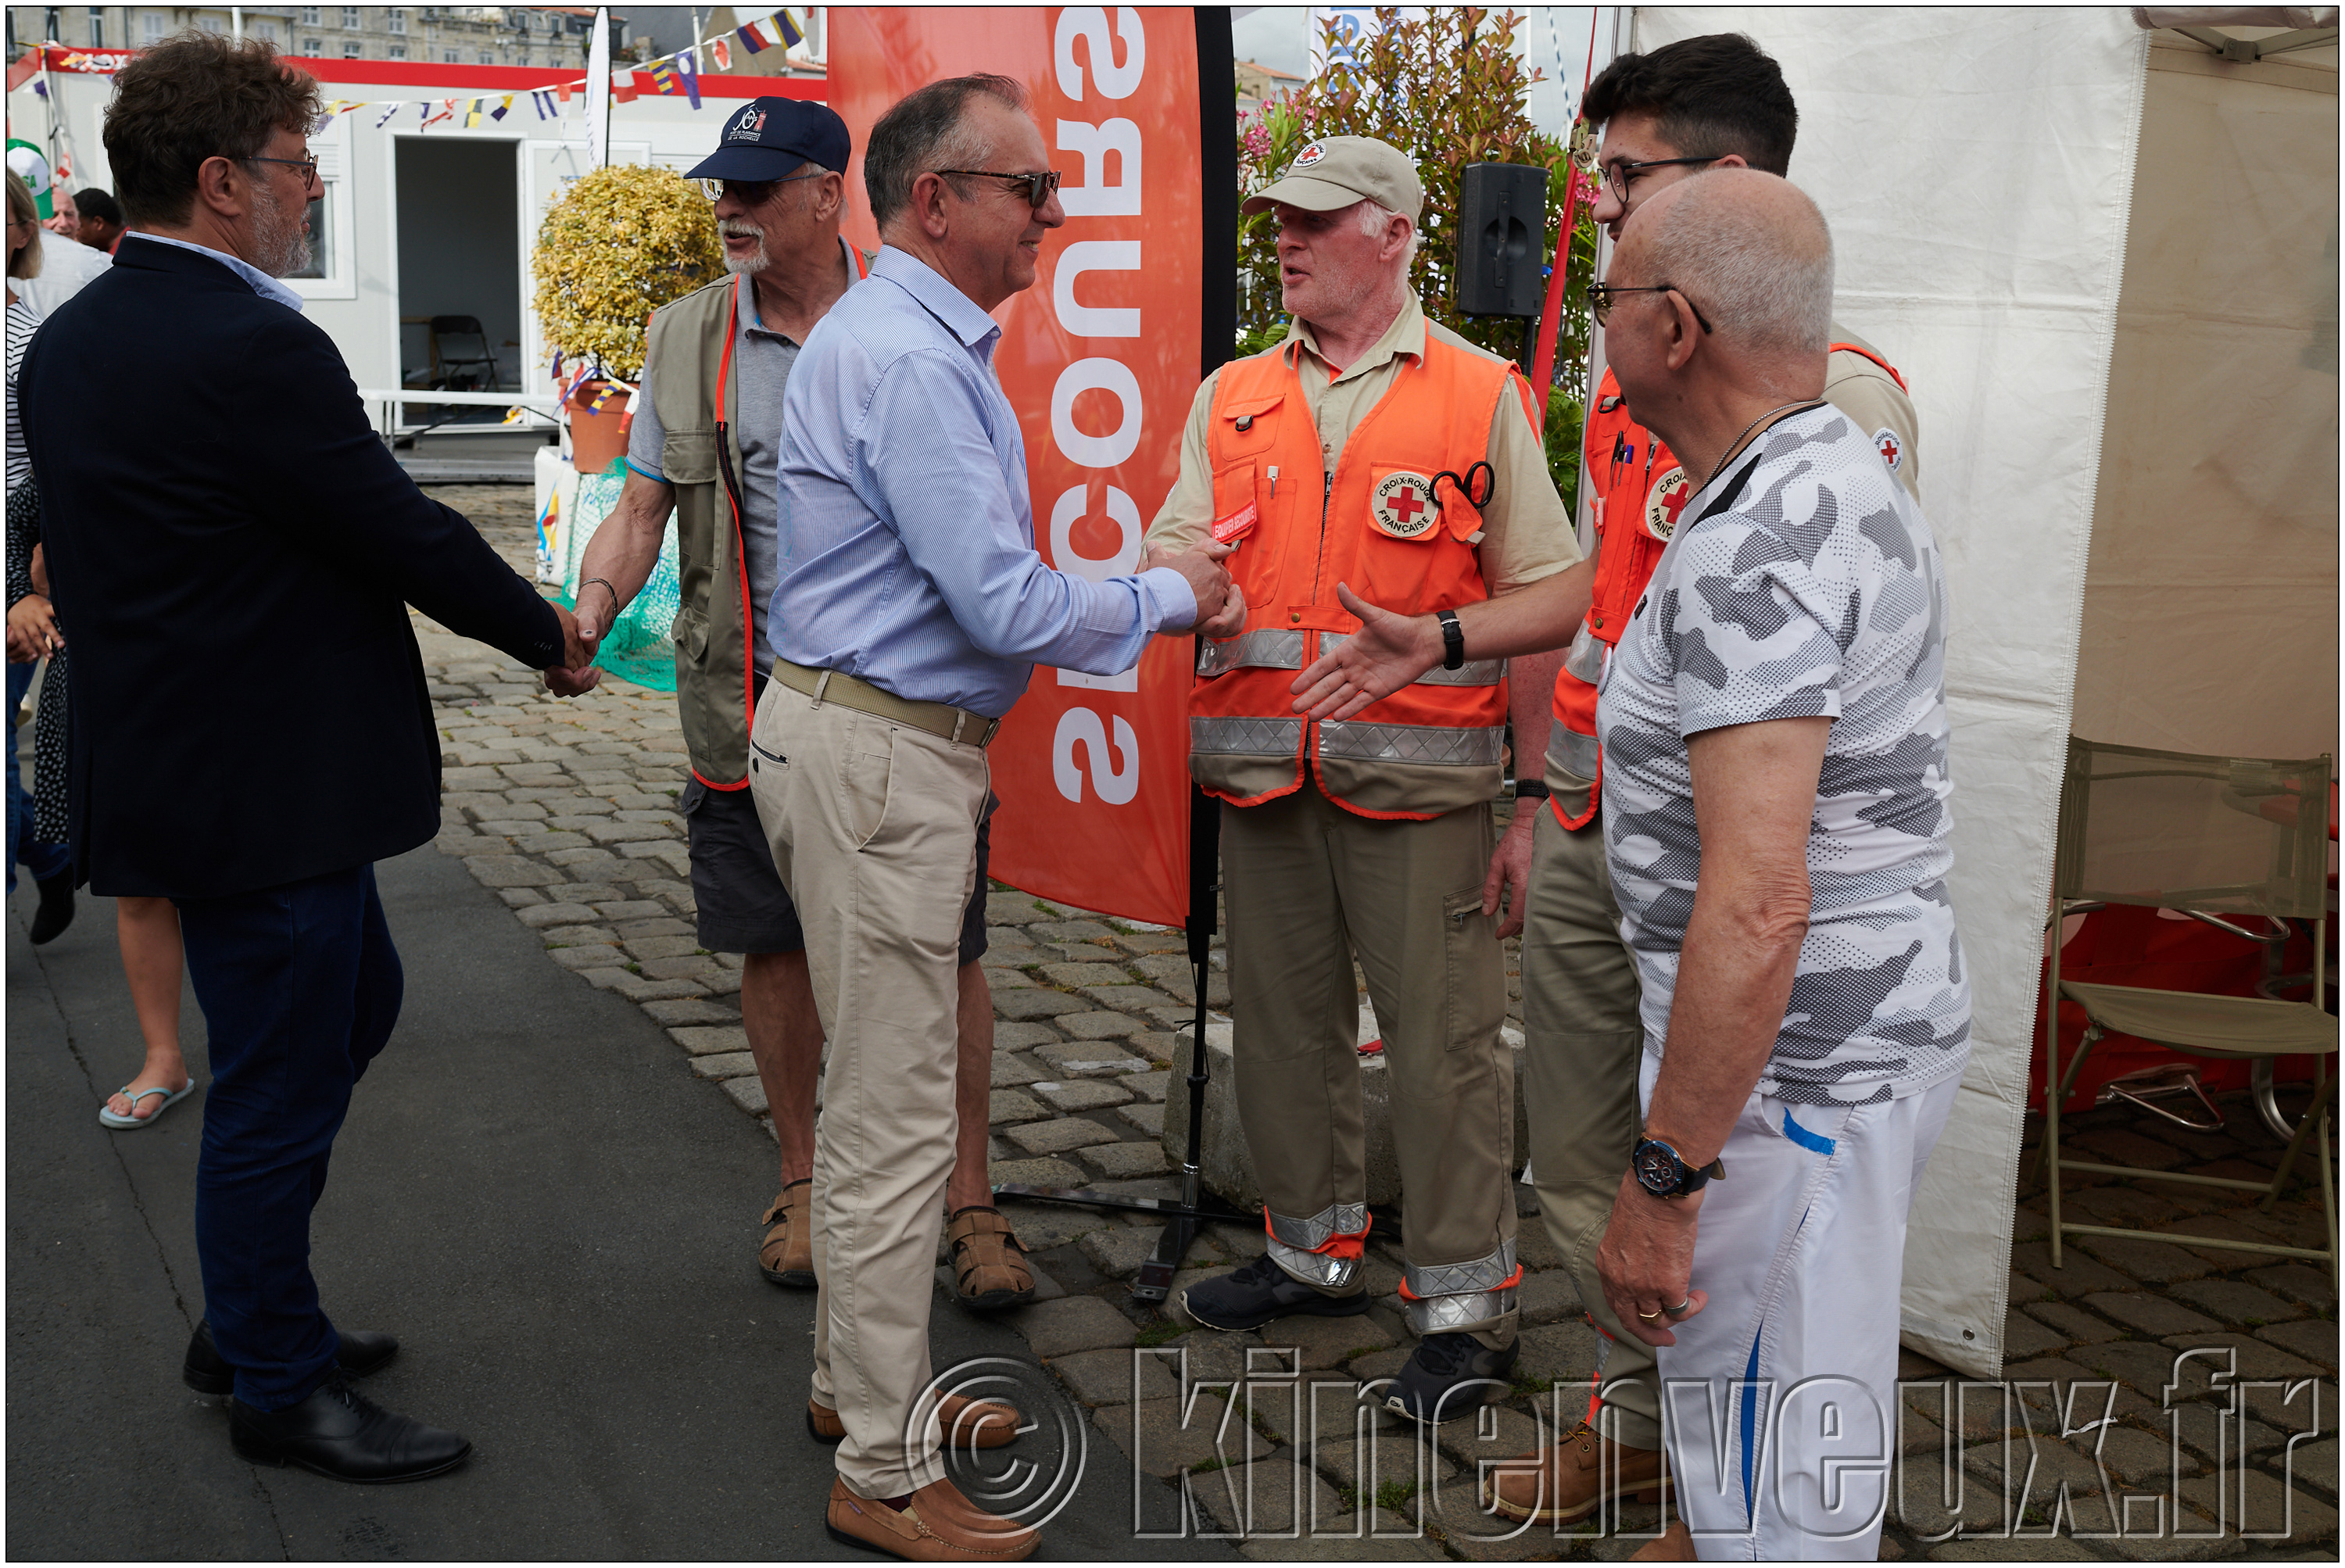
column 765, row 138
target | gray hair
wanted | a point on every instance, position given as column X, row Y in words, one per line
column 926, row 132
column 1760, row 268
column 1374, row 215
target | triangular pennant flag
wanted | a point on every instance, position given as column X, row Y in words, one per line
column 689, row 70
column 562, row 90
column 665, row 78
column 386, row 112
column 722, row 53
column 502, row 105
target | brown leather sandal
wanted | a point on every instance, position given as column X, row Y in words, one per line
column 787, row 1254
column 990, row 1272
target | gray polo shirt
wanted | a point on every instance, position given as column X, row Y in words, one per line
column 761, row 365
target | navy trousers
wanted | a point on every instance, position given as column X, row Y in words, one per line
column 300, row 986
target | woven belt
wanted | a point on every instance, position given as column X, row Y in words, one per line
column 939, row 718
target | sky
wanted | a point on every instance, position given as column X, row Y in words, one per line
column 1554, row 38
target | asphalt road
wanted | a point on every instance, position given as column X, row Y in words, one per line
column 531, row 1191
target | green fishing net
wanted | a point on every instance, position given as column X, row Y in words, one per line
column 637, row 648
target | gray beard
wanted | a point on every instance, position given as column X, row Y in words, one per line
column 757, row 262
column 281, row 239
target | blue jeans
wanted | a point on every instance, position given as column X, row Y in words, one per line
column 300, row 986
column 43, row 861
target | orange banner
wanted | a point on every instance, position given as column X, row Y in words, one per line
column 1099, row 357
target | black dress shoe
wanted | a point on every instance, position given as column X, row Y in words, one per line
column 341, row 1433
column 207, row 1371
column 57, row 909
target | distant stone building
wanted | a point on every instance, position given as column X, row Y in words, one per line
column 1256, row 82
column 552, row 35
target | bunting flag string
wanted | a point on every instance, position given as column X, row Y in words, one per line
column 674, row 75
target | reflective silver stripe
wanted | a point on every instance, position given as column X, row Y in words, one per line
column 1478, row 1274
column 1438, row 745
column 1310, row 1235
column 1585, row 658
column 1315, row 1267
column 1267, row 649
column 1574, row 752
column 1453, row 1314
column 1243, row 737
column 1473, row 672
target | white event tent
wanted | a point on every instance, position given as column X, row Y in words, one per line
column 2105, row 256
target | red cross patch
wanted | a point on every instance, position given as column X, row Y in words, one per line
column 1664, row 501
column 1403, row 505
column 1891, row 445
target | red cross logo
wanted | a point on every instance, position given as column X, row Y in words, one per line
column 1674, row 502
column 1885, row 441
column 1402, row 506
column 1664, row 501
column 1407, row 506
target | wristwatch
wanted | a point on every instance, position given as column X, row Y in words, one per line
column 1453, row 640
column 1659, row 1171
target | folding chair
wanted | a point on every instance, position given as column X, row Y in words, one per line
column 2218, row 838
column 462, row 359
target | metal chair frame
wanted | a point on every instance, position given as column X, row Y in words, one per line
column 2074, row 806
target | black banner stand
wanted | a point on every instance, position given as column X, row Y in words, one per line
column 1218, row 157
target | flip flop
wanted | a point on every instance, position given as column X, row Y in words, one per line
column 169, row 1099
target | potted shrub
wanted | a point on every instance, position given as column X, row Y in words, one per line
column 619, row 243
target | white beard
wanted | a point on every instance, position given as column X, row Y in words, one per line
column 758, row 260
column 281, row 239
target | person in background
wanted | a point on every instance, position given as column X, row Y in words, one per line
column 248, row 532
column 32, row 627
column 101, row 219
column 65, row 213
column 778, row 172
column 911, row 610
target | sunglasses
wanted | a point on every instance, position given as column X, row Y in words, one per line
column 1039, row 187
column 752, row 192
column 1601, row 297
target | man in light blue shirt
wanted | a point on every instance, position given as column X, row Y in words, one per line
column 909, row 615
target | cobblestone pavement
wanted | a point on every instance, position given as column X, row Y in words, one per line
column 567, row 810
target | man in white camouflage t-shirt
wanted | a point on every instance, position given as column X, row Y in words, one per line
column 1775, row 733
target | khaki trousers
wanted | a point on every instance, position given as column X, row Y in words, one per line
column 1307, row 884
column 1583, row 1045
column 874, row 830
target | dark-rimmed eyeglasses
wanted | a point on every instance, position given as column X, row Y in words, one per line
column 752, row 192
column 1600, row 297
column 1616, row 175
column 1039, row 187
column 307, row 165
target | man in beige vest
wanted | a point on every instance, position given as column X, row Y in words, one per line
column 703, row 441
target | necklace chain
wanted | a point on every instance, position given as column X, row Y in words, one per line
column 1735, row 447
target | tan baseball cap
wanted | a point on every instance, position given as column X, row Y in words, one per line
column 1337, row 170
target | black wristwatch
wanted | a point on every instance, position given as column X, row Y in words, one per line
column 1659, row 1171
column 1453, row 640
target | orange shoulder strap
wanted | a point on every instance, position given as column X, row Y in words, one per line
column 1864, row 352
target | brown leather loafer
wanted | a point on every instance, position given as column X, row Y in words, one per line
column 1559, row 1484
column 968, row 1423
column 989, row 1261
column 939, row 1525
column 787, row 1254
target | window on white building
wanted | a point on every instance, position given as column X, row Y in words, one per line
column 394, row 21
column 350, row 18
column 156, row 25
column 309, row 16
column 265, row 31
column 487, row 58
column 313, row 48
column 97, row 28
column 450, row 57
column 396, row 52
column 351, row 51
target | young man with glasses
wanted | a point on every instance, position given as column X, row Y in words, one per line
column 704, row 441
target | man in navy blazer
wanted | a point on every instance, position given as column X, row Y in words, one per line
column 233, row 552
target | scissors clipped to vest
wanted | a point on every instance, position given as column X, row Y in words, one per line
column 1476, row 488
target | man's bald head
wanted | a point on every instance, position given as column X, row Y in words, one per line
column 1750, row 250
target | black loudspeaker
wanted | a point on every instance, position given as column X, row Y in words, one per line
column 1501, row 239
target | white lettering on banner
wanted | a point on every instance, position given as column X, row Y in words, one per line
column 1094, row 198
column 1089, row 23
column 1082, row 727
column 1118, row 139
column 1070, row 509
column 1096, row 375
column 1094, row 256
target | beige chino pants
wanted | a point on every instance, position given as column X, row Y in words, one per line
column 1583, row 1045
column 1307, row 885
column 874, row 830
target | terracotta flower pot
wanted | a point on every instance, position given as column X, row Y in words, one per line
column 597, row 437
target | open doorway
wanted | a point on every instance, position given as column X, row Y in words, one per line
column 460, row 306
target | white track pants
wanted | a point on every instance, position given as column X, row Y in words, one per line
column 1779, row 1397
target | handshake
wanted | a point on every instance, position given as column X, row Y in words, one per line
column 1221, row 606
column 582, row 634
